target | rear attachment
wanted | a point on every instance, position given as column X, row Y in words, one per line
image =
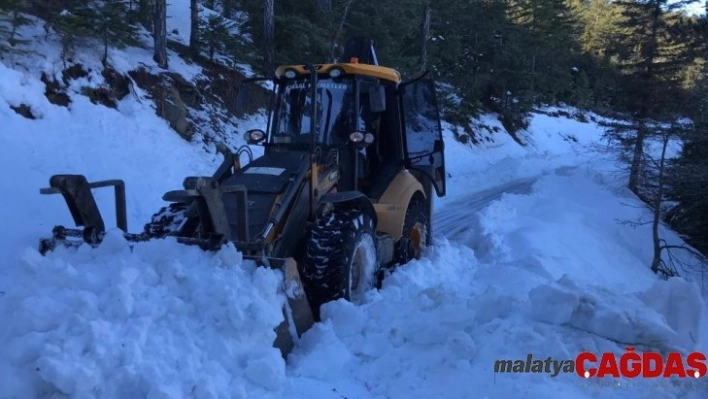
column 204, row 193
column 76, row 191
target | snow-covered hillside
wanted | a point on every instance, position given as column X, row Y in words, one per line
column 530, row 257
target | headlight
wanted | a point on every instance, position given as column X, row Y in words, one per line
column 257, row 135
column 369, row 138
column 254, row 135
column 290, row 73
column 356, row 137
column 335, row 72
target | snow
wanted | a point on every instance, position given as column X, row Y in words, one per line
column 602, row 312
column 532, row 255
column 696, row 8
column 671, row 299
column 99, row 142
column 179, row 28
column 178, row 20
column 550, row 143
column 137, row 323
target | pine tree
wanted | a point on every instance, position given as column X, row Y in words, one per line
column 647, row 67
column 600, row 27
column 337, row 18
column 106, row 19
column 394, row 27
column 11, row 14
column 552, row 39
column 228, row 7
column 112, row 24
column 215, row 34
column 146, row 9
column 424, row 37
column 73, row 24
column 689, row 190
column 689, row 174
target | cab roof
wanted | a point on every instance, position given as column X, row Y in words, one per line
column 354, row 68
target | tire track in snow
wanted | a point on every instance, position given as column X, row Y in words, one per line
column 454, row 218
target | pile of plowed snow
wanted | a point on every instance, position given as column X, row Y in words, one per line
column 157, row 320
column 438, row 327
column 161, row 320
column 543, row 273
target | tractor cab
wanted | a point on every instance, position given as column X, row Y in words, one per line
column 354, row 107
column 340, row 108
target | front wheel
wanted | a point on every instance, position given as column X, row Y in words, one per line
column 340, row 258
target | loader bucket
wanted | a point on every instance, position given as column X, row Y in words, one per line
column 297, row 313
column 76, row 190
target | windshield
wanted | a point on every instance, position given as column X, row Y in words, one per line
column 335, row 112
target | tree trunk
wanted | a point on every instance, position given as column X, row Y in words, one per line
column 104, row 58
column 644, row 111
column 15, row 25
column 424, row 36
column 194, row 28
column 160, row 55
column 533, row 76
column 337, row 31
column 268, row 37
column 637, row 159
column 653, row 39
column 658, row 199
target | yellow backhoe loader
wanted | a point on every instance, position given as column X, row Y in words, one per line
column 343, row 192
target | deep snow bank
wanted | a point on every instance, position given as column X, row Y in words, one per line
column 440, row 323
column 130, row 142
column 551, row 273
column 160, row 320
column 674, row 323
column 549, row 143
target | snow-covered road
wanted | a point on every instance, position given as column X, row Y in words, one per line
column 452, row 219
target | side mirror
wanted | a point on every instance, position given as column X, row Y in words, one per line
column 254, row 136
column 377, row 98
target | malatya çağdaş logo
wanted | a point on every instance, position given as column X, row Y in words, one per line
column 630, row 364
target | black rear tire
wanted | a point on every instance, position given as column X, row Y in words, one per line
column 416, row 232
column 340, row 258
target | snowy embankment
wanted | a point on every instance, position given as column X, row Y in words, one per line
column 549, row 271
column 158, row 321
